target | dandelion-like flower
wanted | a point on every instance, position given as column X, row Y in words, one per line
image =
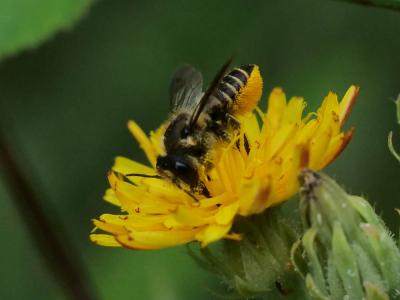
column 157, row 214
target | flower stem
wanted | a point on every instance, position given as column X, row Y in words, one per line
column 59, row 256
column 388, row 4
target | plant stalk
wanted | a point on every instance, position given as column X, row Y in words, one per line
column 59, row 255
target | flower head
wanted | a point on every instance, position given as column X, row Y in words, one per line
column 244, row 180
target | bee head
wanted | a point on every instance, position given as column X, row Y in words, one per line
column 177, row 131
column 178, row 167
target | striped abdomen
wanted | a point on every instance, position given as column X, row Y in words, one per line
column 240, row 90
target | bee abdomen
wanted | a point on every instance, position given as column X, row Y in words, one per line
column 241, row 74
column 232, row 83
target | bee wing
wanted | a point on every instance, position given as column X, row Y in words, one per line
column 201, row 104
column 185, row 87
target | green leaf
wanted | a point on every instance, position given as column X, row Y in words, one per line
column 374, row 292
column 397, row 103
column 345, row 263
column 27, row 23
column 335, row 284
column 314, row 290
column 391, row 147
column 390, row 137
column 317, row 270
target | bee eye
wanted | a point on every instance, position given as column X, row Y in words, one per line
column 179, row 167
column 162, row 163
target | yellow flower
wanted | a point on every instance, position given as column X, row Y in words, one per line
column 157, row 214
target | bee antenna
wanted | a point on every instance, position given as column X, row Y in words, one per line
column 159, row 177
column 144, row 175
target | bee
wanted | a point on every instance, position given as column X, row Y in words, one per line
column 200, row 119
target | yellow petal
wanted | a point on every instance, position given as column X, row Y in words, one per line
column 158, row 239
column 226, row 213
column 216, row 201
column 110, row 227
column 319, row 146
column 104, row 240
column 189, row 217
column 347, row 103
column 337, row 145
column 144, row 142
column 110, row 197
column 128, row 242
column 293, row 111
column 212, row 233
column 126, row 166
column 156, row 137
column 254, row 195
column 250, row 128
column 276, row 107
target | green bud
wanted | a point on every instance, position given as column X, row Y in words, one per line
column 259, row 264
column 346, row 248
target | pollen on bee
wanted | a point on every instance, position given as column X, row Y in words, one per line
column 250, row 93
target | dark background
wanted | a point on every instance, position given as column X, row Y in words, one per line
column 65, row 106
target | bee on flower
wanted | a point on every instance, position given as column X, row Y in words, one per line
column 216, row 157
column 200, row 121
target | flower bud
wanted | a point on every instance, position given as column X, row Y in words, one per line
column 346, row 251
column 259, row 263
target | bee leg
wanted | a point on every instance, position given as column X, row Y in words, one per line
column 202, row 189
column 191, row 195
column 245, row 144
column 233, row 121
column 175, row 181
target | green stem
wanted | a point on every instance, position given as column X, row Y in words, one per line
column 388, row 4
column 57, row 252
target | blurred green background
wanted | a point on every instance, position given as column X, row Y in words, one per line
column 65, row 104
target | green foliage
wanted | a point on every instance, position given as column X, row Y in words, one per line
column 27, row 23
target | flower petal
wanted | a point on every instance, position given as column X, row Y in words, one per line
column 104, row 240
column 127, row 166
column 348, row 102
column 145, row 143
column 212, row 233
